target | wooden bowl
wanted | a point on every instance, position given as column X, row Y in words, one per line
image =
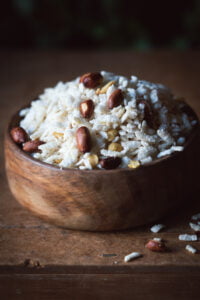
column 101, row 200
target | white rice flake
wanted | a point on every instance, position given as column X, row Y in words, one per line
column 188, row 237
column 157, row 239
column 146, row 160
column 170, row 151
column 196, row 217
column 23, row 112
column 55, row 117
column 154, row 96
column 194, row 122
column 156, row 228
column 181, row 140
column 195, row 227
column 110, row 153
column 134, row 79
column 132, row 256
column 191, row 249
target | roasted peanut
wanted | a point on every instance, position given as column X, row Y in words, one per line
column 133, row 164
column 110, row 162
column 149, row 115
column 19, row 135
column 87, row 108
column 91, row 80
column 156, row 246
column 32, row 146
column 93, row 159
column 57, row 161
column 115, row 147
column 83, row 139
column 104, row 89
column 112, row 133
column 115, row 99
column 58, row 134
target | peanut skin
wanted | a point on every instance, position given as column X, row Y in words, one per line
column 83, row 139
column 87, row 108
column 32, row 146
column 91, row 80
column 156, row 246
column 149, row 114
column 109, row 163
column 19, row 135
column 115, row 99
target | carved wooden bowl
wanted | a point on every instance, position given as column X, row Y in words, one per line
column 101, row 200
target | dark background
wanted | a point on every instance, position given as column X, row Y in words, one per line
column 103, row 24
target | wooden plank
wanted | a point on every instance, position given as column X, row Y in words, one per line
column 57, row 247
column 73, row 262
column 141, row 286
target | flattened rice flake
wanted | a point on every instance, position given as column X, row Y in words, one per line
column 123, row 131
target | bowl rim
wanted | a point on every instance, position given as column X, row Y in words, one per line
column 38, row 162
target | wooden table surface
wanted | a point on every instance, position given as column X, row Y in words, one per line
column 72, row 264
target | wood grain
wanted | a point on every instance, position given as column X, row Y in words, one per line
column 173, row 275
column 101, row 200
column 101, row 286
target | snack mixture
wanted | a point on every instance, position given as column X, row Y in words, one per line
column 102, row 120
